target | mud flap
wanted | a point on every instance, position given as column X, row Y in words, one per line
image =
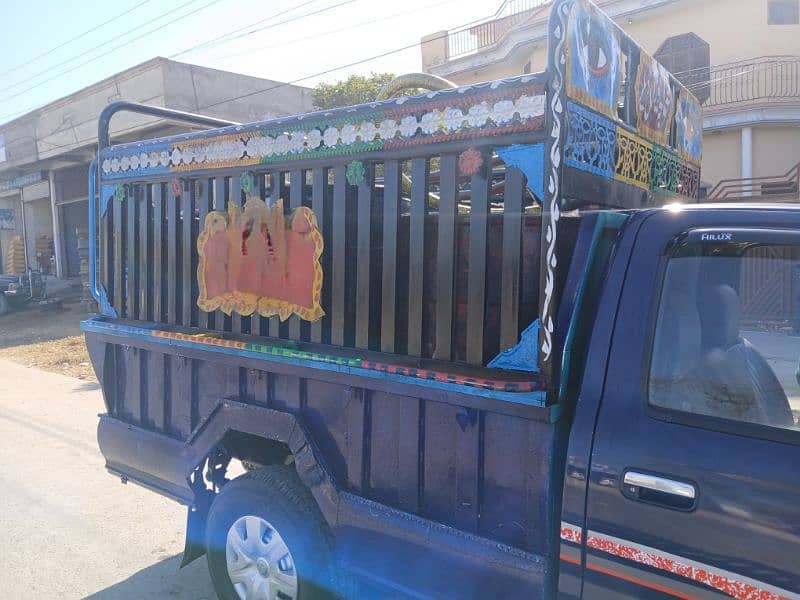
column 195, row 546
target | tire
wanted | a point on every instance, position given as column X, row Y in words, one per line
column 5, row 307
column 271, row 500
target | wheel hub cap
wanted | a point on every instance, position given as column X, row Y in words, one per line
column 260, row 565
column 263, row 567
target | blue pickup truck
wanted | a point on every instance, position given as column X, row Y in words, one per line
column 482, row 342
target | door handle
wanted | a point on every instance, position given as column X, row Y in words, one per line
column 655, row 489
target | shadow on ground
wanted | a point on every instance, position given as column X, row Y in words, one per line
column 164, row 579
column 88, row 386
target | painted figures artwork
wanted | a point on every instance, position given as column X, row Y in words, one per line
column 655, row 100
column 258, row 260
column 593, row 60
column 689, row 125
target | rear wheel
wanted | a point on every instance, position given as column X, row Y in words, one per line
column 266, row 539
column 4, row 304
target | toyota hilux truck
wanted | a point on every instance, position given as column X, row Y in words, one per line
column 481, row 342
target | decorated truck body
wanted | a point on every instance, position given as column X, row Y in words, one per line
column 430, row 329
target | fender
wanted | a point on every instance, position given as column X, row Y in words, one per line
column 174, row 468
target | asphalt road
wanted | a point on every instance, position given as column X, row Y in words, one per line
column 68, row 529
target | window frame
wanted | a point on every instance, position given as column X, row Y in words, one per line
column 759, row 236
column 783, row 4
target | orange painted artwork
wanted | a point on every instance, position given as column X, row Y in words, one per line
column 259, row 260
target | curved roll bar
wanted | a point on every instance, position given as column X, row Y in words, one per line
column 104, row 141
column 426, row 81
column 103, row 136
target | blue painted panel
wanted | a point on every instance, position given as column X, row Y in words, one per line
column 523, row 356
column 528, row 158
column 591, row 141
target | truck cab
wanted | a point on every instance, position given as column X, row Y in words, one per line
column 679, row 477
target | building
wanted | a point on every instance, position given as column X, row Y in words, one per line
column 750, row 84
column 45, row 154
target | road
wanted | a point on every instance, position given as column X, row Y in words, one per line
column 68, row 529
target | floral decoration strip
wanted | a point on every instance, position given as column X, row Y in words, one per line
column 482, row 111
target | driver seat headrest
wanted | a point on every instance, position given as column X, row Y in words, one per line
column 721, row 318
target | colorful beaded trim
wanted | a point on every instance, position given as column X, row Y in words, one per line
column 215, row 340
column 485, row 110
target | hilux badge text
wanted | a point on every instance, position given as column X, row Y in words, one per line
column 716, row 237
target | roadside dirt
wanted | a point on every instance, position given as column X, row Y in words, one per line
column 50, row 340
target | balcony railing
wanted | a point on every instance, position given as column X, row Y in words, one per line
column 779, row 188
column 469, row 40
column 764, row 80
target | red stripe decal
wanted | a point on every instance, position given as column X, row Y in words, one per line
column 571, row 533
column 731, row 584
column 569, row 559
column 641, row 582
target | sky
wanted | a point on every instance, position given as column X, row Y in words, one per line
column 41, row 60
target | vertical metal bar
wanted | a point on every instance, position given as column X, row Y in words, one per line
column 145, row 251
column 172, row 256
column 339, row 258
column 467, row 480
column 445, row 256
column 181, row 394
column 274, row 196
column 255, row 319
column 202, row 200
column 318, row 187
column 131, row 246
column 363, row 259
column 187, row 242
column 512, row 250
column 356, row 401
column 410, row 453
column 106, row 246
column 416, row 253
column 155, row 392
column 476, row 278
column 296, row 180
column 236, row 198
column 158, row 249
column 119, row 268
column 220, row 204
column 391, row 216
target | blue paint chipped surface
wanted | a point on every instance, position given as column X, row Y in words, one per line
column 523, row 356
column 528, row 158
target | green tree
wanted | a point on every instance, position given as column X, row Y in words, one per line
column 356, row 89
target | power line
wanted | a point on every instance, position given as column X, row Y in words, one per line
column 221, row 39
column 290, row 82
column 161, row 27
column 93, row 48
column 86, row 62
column 334, row 69
column 77, row 37
column 731, row 77
column 384, row 54
column 330, row 32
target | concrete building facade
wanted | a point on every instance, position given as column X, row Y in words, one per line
column 752, row 112
column 45, row 154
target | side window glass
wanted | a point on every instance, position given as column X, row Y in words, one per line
column 727, row 336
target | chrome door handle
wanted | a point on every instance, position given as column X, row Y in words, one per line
column 635, row 480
